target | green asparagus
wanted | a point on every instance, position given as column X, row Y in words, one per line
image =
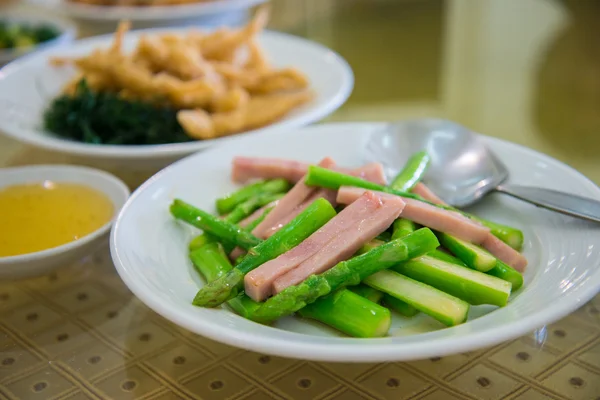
column 445, row 308
column 443, row 256
column 292, row 234
column 412, row 172
column 472, row 255
column 229, row 202
column 240, row 212
column 389, row 301
column 399, row 306
column 323, row 177
column 469, row 285
column 211, row 262
column 508, row 273
column 509, row 235
column 347, row 273
column 403, row 227
column 370, row 246
column 247, row 207
column 224, row 230
column 367, row 292
column 350, row 313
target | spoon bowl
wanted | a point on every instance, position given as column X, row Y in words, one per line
column 462, row 170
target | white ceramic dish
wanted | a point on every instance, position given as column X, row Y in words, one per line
column 149, row 249
column 67, row 34
column 43, row 261
column 155, row 13
column 28, row 85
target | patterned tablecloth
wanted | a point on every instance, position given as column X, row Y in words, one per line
column 79, row 333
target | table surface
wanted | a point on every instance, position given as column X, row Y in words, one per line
column 522, row 70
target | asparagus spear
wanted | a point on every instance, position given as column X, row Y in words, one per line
column 223, row 230
column 246, row 208
column 367, row 292
column 445, row 308
column 347, row 273
column 402, row 227
column 443, row 256
column 240, row 212
column 472, row 255
column 399, row 306
column 211, row 262
column 292, row 234
column 318, row 176
column 508, row 273
column 229, row 202
column 391, row 302
column 472, row 286
column 500, row 270
column 509, row 235
column 412, row 172
column 406, row 180
column 370, row 246
column 350, row 313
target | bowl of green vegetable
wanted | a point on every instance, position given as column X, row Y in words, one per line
column 21, row 34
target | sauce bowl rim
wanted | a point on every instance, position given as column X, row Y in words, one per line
column 44, row 169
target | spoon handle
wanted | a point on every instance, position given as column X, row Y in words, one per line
column 565, row 203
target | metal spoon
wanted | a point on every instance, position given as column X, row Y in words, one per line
column 462, row 169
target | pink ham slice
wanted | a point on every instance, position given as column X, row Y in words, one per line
column 345, row 244
column 248, row 168
column 245, row 169
column 259, row 282
column 504, row 252
column 425, row 214
column 448, row 222
column 327, row 194
column 288, row 203
column 427, row 194
column 372, row 172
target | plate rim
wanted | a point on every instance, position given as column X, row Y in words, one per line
column 138, row 14
column 365, row 351
column 137, row 152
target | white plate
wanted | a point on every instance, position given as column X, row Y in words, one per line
column 149, row 249
column 65, row 28
column 27, row 86
column 158, row 13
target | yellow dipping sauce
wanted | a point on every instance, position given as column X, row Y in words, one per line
column 40, row 216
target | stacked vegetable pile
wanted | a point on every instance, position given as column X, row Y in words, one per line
column 343, row 248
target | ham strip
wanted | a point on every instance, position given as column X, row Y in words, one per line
column 288, row 203
column 345, row 244
column 427, row 194
column 259, row 282
column 327, row 194
column 245, row 169
column 372, row 172
column 504, row 252
column 256, row 214
column 425, row 214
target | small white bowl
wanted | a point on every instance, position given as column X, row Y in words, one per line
column 66, row 36
column 39, row 262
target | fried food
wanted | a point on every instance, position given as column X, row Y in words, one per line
column 220, row 82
